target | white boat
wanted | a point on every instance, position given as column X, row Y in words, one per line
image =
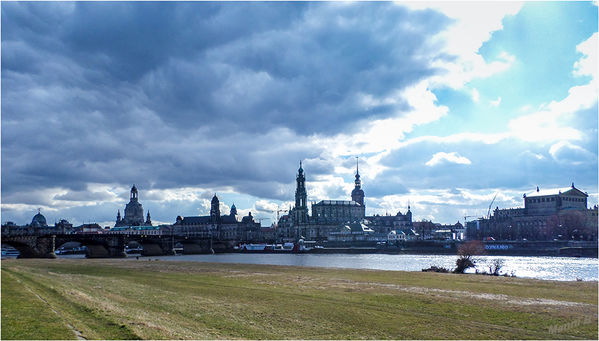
column 9, row 252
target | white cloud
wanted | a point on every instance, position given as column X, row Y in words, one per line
column 266, row 206
column 587, row 65
column 384, row 135
column 567, row 152
column 496, row 102
column 552, row 122
column 475, row 95
column 448, row 205
column 452, row 157
column 457, row 138
column 474, row 24
column 542, row 126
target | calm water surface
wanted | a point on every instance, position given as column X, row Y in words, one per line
column 550, row 268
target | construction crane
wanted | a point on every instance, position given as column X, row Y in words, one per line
column 278, row 211
column 260, row 220
column 491, row 204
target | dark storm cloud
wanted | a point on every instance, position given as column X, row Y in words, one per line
column 195, row 94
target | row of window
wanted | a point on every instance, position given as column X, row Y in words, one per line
column 553, row 199
column 532, row 223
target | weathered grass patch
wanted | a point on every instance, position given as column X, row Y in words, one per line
column 117, row 299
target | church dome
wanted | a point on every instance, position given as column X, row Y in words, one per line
column 38, row 220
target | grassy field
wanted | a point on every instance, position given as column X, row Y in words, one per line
column 150, row 299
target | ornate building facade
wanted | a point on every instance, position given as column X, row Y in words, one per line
column 225, row 228
column 558, row 213
column 328, row 216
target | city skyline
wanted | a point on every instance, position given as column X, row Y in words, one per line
column 446, row 105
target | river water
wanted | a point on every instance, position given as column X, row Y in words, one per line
column 549, row 268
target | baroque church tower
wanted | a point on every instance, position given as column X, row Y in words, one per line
column 357, row 194
column 301, row 207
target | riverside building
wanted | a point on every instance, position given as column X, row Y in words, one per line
column 330, row 219
column 226, row 228
column 557, row 213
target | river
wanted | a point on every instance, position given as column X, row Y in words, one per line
column 548, row 268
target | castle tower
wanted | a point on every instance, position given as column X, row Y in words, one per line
column 233, row 211
column 301, row 208
column 215, row 209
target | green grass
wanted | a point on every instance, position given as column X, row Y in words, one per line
column 128, row 299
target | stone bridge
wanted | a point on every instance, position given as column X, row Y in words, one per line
column 43, row 244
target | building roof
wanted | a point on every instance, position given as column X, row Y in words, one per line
column 556, row 191
column 356, row 227
column 338, row 203
column 197, row 220
column 228, row 219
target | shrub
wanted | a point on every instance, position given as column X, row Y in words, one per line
column 435, row 268
column 466, row 252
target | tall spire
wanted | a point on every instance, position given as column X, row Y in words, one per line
column 148, row 219
column 357, row 182
column 357, row 194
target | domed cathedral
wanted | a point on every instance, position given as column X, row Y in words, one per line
column 39, row 220
column 134, row 212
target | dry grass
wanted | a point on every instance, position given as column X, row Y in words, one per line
column 118, row 299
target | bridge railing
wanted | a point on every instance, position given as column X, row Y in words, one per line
column 28, row 231
column 194, row 234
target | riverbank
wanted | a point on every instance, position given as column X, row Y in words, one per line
column 157, row 299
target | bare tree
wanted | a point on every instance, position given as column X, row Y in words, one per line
column 466, row 252
column 496, row 267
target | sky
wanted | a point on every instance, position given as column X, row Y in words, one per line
column 447, row 105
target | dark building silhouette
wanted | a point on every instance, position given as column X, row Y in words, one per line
column 39, row 220
column 300, row 211
column 357, row 194
column 329, row 216
column 220, row 227
column 134, row 212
